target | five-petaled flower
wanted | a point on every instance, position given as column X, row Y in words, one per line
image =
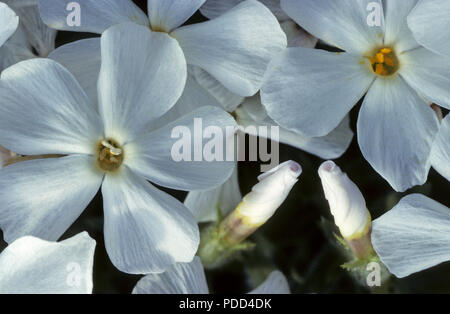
column 311, row 90
column 43, row 110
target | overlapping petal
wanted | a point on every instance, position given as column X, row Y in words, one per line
column 413, row 236
column 166, row 15
column 194, row 97
column 181, row 278
column 440, row 154
column 214, row 8
column 429, row 24
column 8, row 22
column 205, row 205
column 95, row 15
column 152, row 155
column 429, row 75
column 41, row 37
column 397, row 33
column 236, row 47
column 251, row 113
column 83, row 59
column 224, row 96
column 33, row 266
column 276, row 283
column 310, row 91
column 339, row 23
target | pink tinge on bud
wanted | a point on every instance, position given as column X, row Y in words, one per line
column 346, row 201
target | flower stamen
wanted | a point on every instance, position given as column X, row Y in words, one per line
column 384, row 62
column 109, row 155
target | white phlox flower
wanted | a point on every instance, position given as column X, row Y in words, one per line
column 33, row 266
column 189, row 278
column 310, row 91
column 112, row 147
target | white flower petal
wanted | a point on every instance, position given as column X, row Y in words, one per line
column 297, row 36
column 44, row 197
column 151, row 155
column 310, row 91
column 397, row 34
column 440, row 153
column 236, row 47
column 413, row 236
column 166, row 15
column 429, row 24
column 205, row 205
column 194, row 97
column 96, row 15
column 276, row 283
column 83, row 59
column 8, row 22
column 214, row 8
column 41, row 37
column 33, row 266
column 16, row 49
column 181, row 278
column 142, row 76
column 395, row 131
column 228, row 100
column 43, row 110
column 333, row 145
column 428, row 73
column 146, row 230
column 340, row 23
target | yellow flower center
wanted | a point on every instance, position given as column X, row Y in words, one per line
column 384, row 62
column 109, row 155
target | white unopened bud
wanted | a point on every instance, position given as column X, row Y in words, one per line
column 346, row 202
column 271, row 191
column 262, row 202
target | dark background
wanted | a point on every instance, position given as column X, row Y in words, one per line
column 294, row 239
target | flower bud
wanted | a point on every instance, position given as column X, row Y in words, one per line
column 348, row 208
column 262, row 202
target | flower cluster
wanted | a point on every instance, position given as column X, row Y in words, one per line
column 105, row 114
